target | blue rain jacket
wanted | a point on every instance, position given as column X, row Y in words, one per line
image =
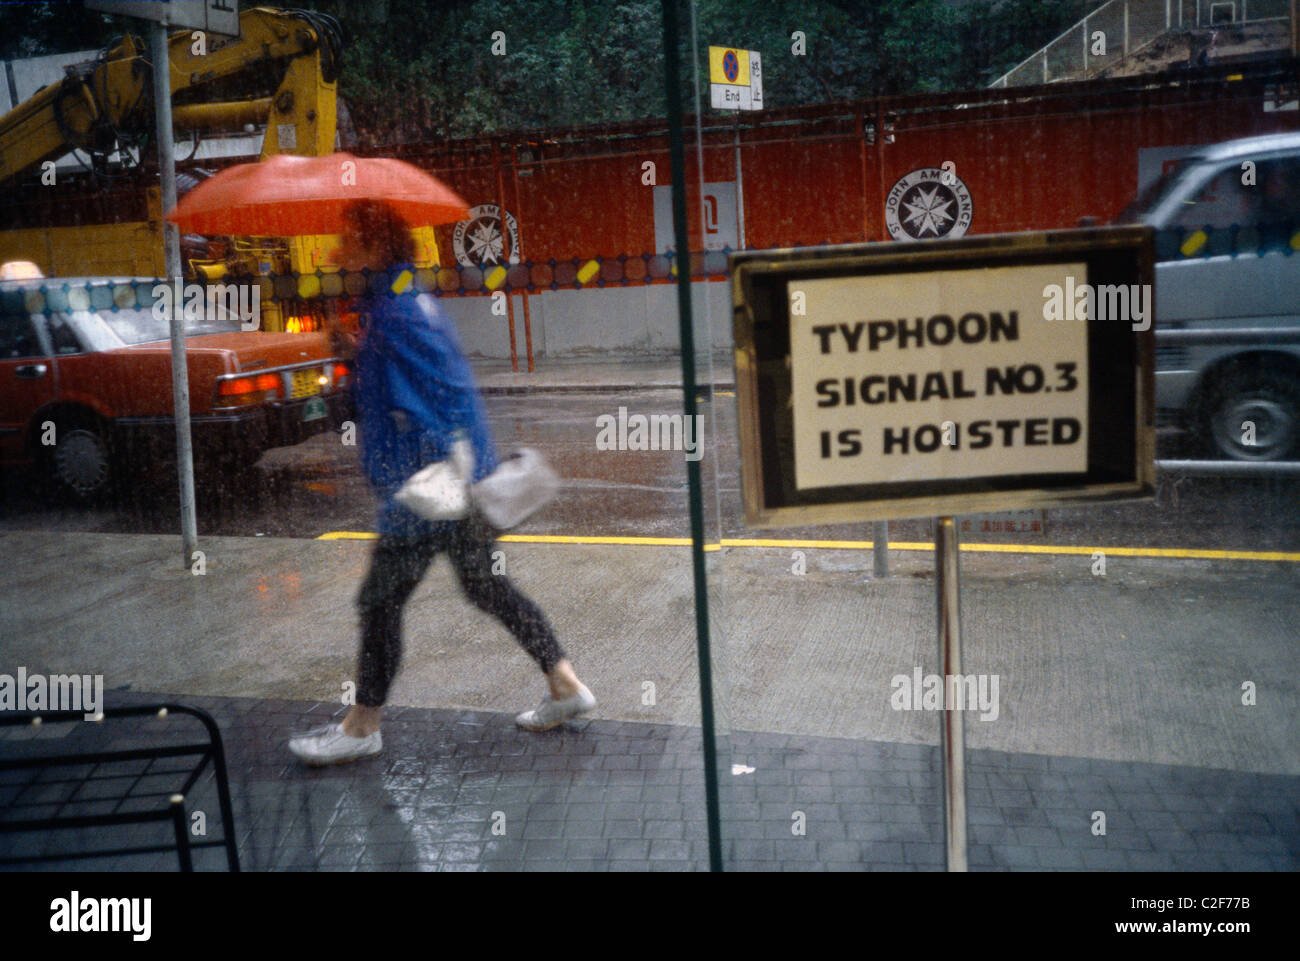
column 414, row 394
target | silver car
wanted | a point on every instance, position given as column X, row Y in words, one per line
column 1228, row 256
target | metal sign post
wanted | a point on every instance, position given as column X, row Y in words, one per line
column 740, row 191
column 162, row 99
column 212, row 16
column 736, row 84
column 952, row 740
column 880, row 548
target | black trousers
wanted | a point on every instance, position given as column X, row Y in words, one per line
column 397, row 566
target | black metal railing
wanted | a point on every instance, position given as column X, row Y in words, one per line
column 26, row 811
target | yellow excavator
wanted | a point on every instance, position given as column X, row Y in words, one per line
column 281, row 72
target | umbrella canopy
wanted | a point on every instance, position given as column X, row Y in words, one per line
column 287, row 196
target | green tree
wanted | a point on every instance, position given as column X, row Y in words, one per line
column 39, row 29
column 414, row 70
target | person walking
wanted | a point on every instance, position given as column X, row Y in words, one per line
column 415, row 395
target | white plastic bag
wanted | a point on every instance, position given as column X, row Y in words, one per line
column 522, row 484
column 440, row 492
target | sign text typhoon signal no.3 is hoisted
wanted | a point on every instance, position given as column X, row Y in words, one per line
column 922, row 390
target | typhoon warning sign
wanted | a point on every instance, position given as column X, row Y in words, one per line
column 933, row 378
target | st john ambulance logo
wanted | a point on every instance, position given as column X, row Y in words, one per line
column 477, row 241
column 928, row 203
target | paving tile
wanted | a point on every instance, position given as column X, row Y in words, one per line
column 881, row 851
column 548, row 850
column 586, row 848
column 1016, row 856
column 674, row 830
column 1217, row 841
column 1038, row 836
column 1102, row 859
column 924, row 853
column 991, row 834
column 1198, row 861
column 1150, row 861
column 1059, row 858
column 664, row 849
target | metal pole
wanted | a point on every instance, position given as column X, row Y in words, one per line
column 1085, row 48
column 505, row 252
column 182, row 833
column 681, row 235
column 947, row 583
column 880, row 168
column 519, row 211
column 162, row 99
column 862, row 157
column 1230, row 468
column 880, row 548
column 740, row 191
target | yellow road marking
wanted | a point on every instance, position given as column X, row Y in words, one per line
column 1177, row 553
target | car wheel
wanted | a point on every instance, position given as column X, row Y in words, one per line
column 1254, row 415
column 81, row 461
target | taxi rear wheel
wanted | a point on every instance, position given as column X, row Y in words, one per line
column 80, row 460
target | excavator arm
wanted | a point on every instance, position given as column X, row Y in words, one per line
column 280, row 71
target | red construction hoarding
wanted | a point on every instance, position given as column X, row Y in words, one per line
column 1023, row 158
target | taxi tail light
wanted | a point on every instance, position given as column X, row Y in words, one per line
column 252, row 389
column 341, row 374
column 300, row 324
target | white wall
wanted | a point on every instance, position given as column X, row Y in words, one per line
column 628, row 323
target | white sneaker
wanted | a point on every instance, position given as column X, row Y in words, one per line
column 329, row 745
column 552, row 713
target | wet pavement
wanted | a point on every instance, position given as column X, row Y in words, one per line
column 468, row 791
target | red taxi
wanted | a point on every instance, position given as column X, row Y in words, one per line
column 86, row 385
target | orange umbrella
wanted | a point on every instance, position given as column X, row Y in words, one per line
column 287, row 196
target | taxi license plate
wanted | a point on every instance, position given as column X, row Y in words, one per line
column 306, row 383
column 314, row 409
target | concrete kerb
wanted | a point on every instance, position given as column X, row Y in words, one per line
column 598, row 376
